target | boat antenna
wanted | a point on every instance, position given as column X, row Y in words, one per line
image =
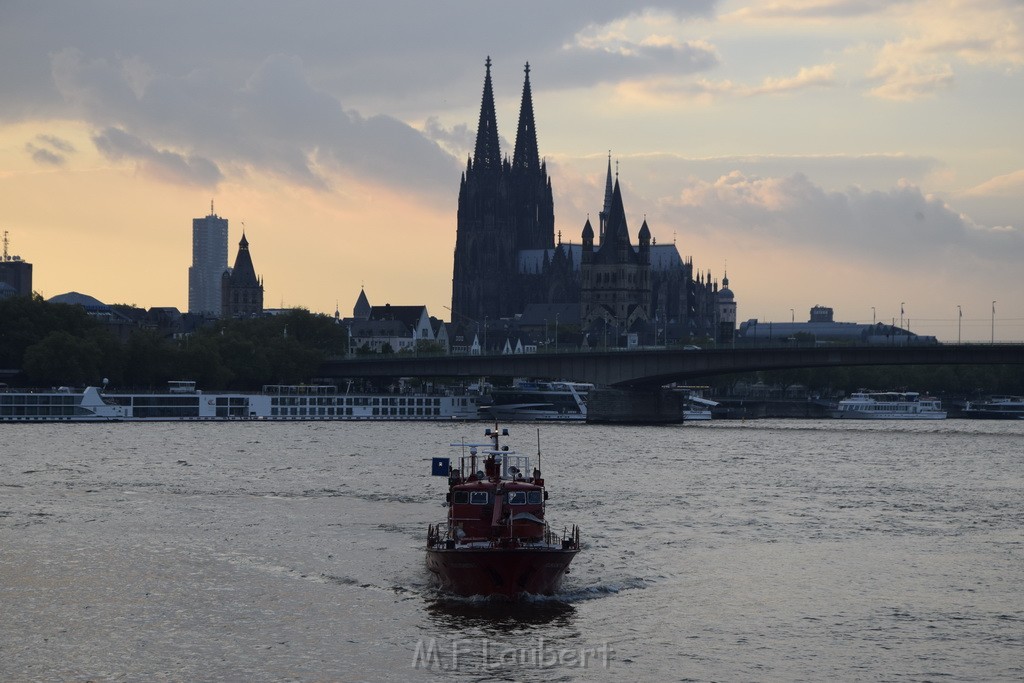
column 538, row 449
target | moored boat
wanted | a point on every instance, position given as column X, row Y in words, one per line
column 496, row 539
column 889, row 405
column 539, row 401
column 996, row 408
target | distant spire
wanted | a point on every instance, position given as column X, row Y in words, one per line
column 526, row 156
column 603, row 215
column 487, row 154
column 212, row 213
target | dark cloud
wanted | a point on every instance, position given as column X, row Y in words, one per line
column 44, row 156
column 51, row 150
column 300, row 90
column 59, row 144
column 361, row 52
column 164, row 165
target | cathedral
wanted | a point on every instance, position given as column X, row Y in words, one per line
column 507, row 259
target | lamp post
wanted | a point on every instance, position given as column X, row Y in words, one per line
column 792, row 316
column 959, row 322
column 993, row 322
column 901, row 314
column 873, row 320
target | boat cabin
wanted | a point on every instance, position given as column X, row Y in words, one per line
column 500, row 499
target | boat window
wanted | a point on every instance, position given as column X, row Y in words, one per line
column 478, row 497
column 460, row 497
column 535, row 497
column 517, row 497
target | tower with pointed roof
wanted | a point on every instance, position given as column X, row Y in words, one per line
column 241, row 289
column 504, row 208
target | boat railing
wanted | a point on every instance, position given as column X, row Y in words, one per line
column 444, row 534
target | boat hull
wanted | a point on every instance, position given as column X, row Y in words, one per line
column 500, row 571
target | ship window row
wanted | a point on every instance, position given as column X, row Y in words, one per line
column 7, row 410
column 886, row 408
column 312, row 411
column 36, row 400
column 169, row 402
column 356, row 401
column 484, row 497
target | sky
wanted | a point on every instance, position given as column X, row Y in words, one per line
column 866, row 155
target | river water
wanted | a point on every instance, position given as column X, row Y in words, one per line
column 762, row 550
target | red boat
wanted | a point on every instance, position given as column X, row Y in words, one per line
column 496, row 540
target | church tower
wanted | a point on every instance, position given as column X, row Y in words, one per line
column 503, row 208
column 241, row 290
column 533, row 202
column 616, row 287
column 485, row 239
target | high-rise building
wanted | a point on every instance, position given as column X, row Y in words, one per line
column 209, row 261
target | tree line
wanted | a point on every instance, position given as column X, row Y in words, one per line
column 61, row 344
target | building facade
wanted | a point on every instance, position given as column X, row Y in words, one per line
column 209, row 262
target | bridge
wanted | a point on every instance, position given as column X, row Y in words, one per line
column 648, row 369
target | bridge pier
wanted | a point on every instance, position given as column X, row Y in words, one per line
column 634, row 406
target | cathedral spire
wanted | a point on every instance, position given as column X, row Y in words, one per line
column 603, row 215
column 487, row 155
column 526, row 156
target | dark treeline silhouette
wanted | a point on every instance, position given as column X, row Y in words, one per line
column 59, row 344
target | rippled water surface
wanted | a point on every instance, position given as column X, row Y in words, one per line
column 764, row 550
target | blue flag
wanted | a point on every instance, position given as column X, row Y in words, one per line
column 439, row 467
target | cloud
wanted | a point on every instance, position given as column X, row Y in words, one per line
column 172, row 167
column 1006, row 185
column 939, row 37
column 459, row 140
column 902, row 227
column 815, row 10
column 51, row 150
column 273, row 119
column 643, row 45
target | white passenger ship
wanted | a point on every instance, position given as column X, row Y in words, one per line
column 539, row 401
column 889, row 405
column 182, row 401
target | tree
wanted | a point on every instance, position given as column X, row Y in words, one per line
column 61, row 358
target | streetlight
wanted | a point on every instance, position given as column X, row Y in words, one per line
column 901, row 314
column 993, row 322
column 959, row 322
column 792, row 316
column 873, row 320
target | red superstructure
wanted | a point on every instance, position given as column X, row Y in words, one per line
column 496, row 540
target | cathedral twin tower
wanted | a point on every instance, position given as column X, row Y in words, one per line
column 504, row 208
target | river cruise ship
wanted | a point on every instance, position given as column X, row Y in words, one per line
column 183, row 401
column 889, row 405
